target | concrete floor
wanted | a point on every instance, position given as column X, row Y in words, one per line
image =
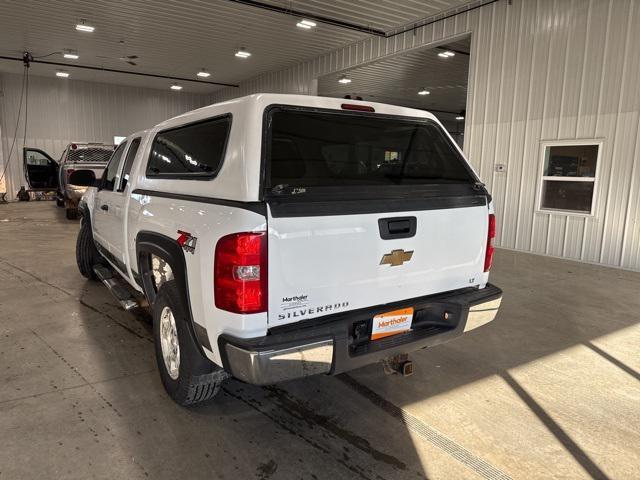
column 549, row 390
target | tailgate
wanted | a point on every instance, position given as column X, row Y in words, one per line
column 96, row 168
column 321, row 265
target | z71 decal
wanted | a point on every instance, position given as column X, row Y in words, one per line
column 187, row 241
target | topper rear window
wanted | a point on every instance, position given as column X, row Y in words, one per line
column 312, row 148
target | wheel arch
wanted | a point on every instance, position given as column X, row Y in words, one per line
column 153, row 243
column 84, row 211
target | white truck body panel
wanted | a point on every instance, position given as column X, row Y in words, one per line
column 331, row 264
column 207, row 223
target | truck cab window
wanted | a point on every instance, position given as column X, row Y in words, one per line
column 131, row 155
column 108, row 180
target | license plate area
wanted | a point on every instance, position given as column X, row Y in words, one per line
column 391, row 323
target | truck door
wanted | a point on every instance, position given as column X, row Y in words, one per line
column 40, row 170
column 107, row 217
column 117, row 235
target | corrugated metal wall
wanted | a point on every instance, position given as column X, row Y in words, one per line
column 540, row 70
column 61, row 111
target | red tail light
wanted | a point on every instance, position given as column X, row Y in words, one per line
column 491, row 235
column 240, row 273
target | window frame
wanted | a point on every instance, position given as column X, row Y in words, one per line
column 190, row 176
column 103, row 180
column 121, row 188
column 546, row 144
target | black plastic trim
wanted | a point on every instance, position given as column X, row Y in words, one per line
column 310, row 208
column 202, row 335
column 257, row 207
column 110, row 257
column 408, row 224
column 148, row 243
column 186, row 175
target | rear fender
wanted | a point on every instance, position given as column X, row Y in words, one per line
column 149, row 244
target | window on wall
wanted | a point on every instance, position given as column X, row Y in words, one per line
column 569, row 177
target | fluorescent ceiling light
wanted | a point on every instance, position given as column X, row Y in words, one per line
column 459, row 117
column 62, row 74
column 81, row 27
column 71, row 55
column 446, row 54
column 242, row 53
column 176, row 87
column 424, row 91
column 344, row 79
column 306, row 24
column 203, row 73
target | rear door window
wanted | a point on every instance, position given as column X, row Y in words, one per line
column 327, row 148
column 109, row 176
column 190, row 151
column 126, row 170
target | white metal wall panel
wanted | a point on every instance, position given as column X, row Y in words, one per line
column 62, row 111
column 539, row 70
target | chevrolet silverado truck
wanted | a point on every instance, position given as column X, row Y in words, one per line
column 280, row 236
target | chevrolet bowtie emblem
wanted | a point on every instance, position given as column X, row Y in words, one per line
column 396, row 257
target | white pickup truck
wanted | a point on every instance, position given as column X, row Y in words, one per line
column 279, row 236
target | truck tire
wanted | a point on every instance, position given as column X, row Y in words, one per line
column 87, row 254
column 187, row 376
column 60, row 201
column 72, row 213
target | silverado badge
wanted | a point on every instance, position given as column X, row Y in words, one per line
column 396, row 257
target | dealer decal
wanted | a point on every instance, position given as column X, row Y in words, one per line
column 187, row 241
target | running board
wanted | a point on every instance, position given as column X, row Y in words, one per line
column 119, row 288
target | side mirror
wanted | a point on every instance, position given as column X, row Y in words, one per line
column 83, row 178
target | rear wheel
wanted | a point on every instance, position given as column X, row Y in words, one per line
column 60, row 201
column 186, row 375
column 87, row 254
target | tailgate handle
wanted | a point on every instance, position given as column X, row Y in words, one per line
column 397, row 227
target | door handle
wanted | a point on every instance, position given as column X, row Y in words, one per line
column 104, row 207
column 398, row 227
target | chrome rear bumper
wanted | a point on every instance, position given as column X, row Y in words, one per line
column 273, row 366
column 331, row 346
column 482, row 314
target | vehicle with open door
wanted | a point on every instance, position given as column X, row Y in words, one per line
column 76, row 156
column 279, row 236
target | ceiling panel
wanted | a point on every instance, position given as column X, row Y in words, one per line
column 177, row 38
column 378, row 14
column 398, row 79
